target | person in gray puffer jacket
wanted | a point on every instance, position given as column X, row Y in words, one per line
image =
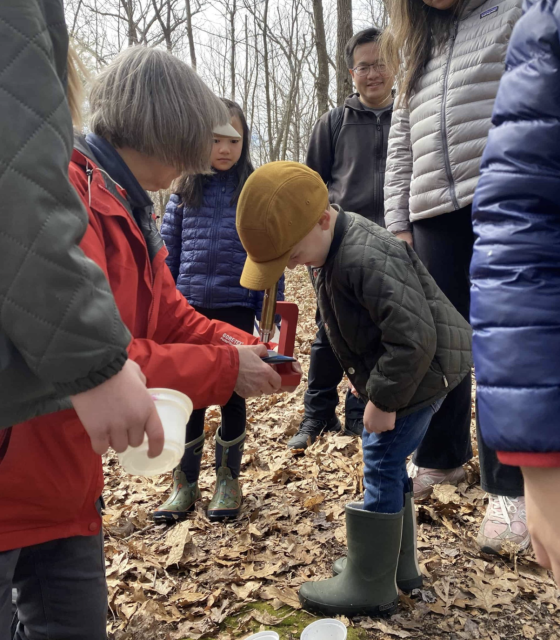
column 62, row 341
column 451, row 56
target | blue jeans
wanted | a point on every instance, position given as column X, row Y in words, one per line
column 385, row 477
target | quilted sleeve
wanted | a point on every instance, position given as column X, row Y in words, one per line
column 398, row 173
column 515, row 268
column 56, row 306
column 386, row 284
column 171, row 232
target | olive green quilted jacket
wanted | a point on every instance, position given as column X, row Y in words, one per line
column 401, row 342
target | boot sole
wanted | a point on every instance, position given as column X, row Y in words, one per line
column 170, row 517
column 378, row 611
column 222, row 515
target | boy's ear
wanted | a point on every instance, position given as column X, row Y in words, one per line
column 325, row 220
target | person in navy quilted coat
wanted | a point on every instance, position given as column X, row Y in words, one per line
column 206, row 259
column 515, row 273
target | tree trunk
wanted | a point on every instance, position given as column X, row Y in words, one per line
column 343, row 34
column 232, row 59
column 190, row 34
column 322, row 59
column 267, row 82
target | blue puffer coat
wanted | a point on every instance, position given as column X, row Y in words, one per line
column 206, row 256
column 515, row 270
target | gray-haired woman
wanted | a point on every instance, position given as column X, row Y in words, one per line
column 152, row 119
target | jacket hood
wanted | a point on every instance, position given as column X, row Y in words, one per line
column 353, row 102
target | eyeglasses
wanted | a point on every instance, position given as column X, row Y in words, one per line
column 362, row 70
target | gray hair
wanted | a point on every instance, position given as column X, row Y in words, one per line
column 150, row 101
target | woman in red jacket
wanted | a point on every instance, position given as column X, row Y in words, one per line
column 152, row 119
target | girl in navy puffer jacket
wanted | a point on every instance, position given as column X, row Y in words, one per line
column 206, row 259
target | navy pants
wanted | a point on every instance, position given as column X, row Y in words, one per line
column 385, row 477
column 61, row 590
column 445, row 244
column 234, row 412
column 325, row 374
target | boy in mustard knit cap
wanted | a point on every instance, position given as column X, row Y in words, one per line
column 401, row 343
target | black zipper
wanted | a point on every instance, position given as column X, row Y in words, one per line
column 378, row 192
column 444, row 121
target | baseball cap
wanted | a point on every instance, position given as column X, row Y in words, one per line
column 279, row 205
column 226, row 130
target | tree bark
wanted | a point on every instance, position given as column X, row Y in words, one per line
column 190, row 35
column 343, row 34
column 322, row 59
column 232, row 59
column 267, row 83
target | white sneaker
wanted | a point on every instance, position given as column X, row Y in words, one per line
column 424, row 479
column 505, row 521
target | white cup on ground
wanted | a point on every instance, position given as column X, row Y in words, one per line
column 264, row 635
column 327, row 629
column 174, row 409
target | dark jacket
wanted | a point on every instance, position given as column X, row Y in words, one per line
column 206, row 256
column 355, row 170
column 398, row 338
column 60, row 331
column 515, row 269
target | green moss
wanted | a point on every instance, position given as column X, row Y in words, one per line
column 293, row 623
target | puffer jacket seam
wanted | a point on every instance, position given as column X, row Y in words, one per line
column 444, row 133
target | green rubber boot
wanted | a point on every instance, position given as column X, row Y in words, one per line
column 408, row 571
column 185, row 494
column 227, row 499
column 367, row 585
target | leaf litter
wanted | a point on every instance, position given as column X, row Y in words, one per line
column 199, row 579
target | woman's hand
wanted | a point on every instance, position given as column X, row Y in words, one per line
column 296, row 368
column 377, row 421
column 352, row 390
column 406, row 236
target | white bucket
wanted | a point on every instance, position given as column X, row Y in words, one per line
column 174, row 409
column 264, row 635
column 327, row 629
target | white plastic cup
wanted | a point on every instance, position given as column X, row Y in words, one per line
column 327, row 629
column 174, row 409
column 264, row 635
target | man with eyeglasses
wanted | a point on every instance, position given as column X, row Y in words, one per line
column 348, row 148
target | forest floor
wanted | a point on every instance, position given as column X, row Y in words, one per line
column 227, row 580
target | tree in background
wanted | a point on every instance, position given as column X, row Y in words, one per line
column 343, row 34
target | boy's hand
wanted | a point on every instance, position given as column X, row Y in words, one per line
column 255, row 377
column 119, row 412
column 542, row 497
column 377, row 421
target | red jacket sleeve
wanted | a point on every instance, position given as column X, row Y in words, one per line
column 516, row 459
column 187, row 352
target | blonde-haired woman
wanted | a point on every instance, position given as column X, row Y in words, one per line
column 450, row 56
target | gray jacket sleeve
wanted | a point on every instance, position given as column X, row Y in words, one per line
column 56, row 308
column 398, row 173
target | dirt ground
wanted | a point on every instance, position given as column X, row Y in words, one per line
column 227, row 580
